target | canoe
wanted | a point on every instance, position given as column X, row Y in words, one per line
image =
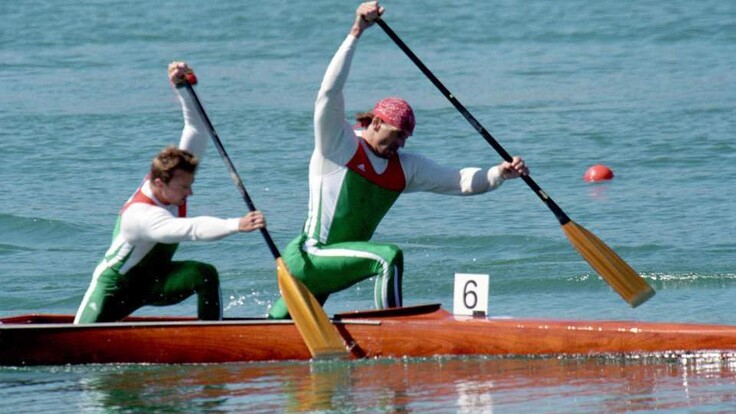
column 417, row 331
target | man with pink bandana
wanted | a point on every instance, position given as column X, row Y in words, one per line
column 355, row 176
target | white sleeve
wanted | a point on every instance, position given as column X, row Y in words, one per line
column 144, row 222
column 331, row 131
column 195, row 134
column 423, row 174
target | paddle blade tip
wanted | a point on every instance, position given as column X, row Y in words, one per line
column 612, row 268
column 320, row 335
column 642, row 297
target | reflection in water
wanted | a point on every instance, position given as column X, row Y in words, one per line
column 597, row 192
column 470, row 385
column 474, row 396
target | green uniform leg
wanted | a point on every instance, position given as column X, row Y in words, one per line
column 329, row 269
column 184, row 279
column 116, row 296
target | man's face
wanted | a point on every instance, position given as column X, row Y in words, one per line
column 177, row 190
column 388, row 140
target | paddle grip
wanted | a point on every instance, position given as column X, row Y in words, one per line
column 191, row 78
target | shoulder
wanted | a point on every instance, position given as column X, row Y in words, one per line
column 342, row 147
column 415, row 160
column 144, row 213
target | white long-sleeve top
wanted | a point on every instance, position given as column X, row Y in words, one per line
column 142, row 225
column 337, row 211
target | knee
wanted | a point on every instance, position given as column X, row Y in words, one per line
column 393, row 254
column 208, row 274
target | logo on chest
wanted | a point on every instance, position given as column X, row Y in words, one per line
column 391, row 179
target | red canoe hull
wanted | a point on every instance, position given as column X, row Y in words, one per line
column 423, row 331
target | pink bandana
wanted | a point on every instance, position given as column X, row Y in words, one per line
column 396, row 112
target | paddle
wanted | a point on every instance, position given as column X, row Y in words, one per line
column 622, row 278
column 321, row 337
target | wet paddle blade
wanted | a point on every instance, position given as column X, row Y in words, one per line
column 320, row 335
column 617, row 273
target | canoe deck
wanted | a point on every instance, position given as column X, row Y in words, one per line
column 418, row 331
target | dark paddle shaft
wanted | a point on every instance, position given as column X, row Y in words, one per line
column 561, row 216
column 231, row 168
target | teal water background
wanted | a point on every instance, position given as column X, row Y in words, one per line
column 646, row 88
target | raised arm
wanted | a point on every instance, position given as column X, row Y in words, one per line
column 194, row 135
column 330, row 128
column 329, row 108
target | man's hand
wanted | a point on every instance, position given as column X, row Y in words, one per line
column 252, row 221
column 180, row 72
column 366, row 14
column 514, row 169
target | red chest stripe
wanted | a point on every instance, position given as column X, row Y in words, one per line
column 391, row 179
column 139, row 197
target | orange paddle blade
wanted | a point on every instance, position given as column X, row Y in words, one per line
column 320, row 335
column 617, row 273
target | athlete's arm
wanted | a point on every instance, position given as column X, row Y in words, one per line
column 195, row 134
column 144, row 222
column 331, row 131
column 423, row 174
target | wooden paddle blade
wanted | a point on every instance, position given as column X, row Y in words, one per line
column 617, row 273
column 320, row 335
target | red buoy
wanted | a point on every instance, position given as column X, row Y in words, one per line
column 598, row 172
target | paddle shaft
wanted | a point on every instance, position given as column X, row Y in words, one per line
column 231, row 168
column 561, row 216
